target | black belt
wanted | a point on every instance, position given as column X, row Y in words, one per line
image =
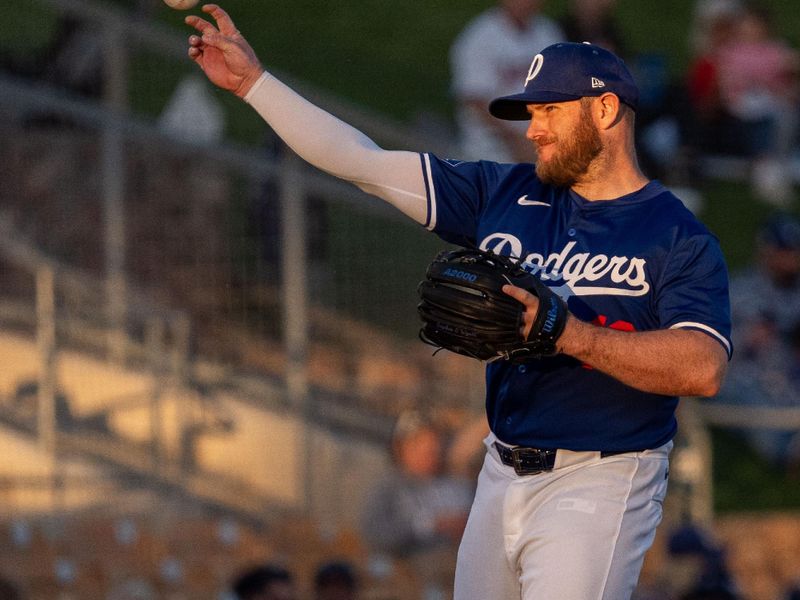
column 530, row 461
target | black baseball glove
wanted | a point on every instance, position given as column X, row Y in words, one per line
column 464, row 309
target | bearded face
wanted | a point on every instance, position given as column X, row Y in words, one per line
column 576, row 149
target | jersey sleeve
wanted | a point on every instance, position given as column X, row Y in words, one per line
column 456, row 193
column 694, row 292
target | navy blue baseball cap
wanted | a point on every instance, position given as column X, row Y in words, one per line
column 568, row 71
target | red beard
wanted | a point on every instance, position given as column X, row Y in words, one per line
column 574, row 156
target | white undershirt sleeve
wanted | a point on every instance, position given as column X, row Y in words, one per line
column 335, row 147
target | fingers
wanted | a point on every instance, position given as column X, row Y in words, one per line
column 222, row 53
column 224, row 22
column 210, row 35
column 522, row 295
column 196, row 44
column 531, row 303
column 201, row 25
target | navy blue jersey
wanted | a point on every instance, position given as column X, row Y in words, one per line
column 639, row 262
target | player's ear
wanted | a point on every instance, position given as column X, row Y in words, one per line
column 608, row 109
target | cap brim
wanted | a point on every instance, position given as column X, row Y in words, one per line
column 515, row 107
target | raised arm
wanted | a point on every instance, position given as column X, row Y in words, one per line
column 315, row 135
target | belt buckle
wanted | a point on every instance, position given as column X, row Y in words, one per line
column 519, row 456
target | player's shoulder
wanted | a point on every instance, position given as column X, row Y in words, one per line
column 672, row 213
column 486, row 169
column 682, row 235
column 484, row 182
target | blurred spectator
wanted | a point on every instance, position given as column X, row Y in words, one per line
column 335, row 581
column 709, row 129
column 764, row 303
column 659, row 116
column 417, row 512
column 705, row 14
column 465, row 450
column 267, row 582
column 488, row 59
column 758, row 88
column 193, row 114
column 771, row 286
column 73, row 59
column 704, row 562
column 593, row 21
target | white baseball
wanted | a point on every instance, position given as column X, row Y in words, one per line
column 181, row 4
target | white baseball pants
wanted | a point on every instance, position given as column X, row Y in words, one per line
column 578, row 532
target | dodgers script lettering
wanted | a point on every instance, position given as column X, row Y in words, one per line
column 612, row 275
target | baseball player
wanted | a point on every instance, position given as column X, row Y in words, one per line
column 575, row 473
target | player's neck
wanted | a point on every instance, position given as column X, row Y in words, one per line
column 611, row 176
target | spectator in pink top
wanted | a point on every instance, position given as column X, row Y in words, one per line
column 758, row 87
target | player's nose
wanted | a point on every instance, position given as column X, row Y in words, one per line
column 535, row 129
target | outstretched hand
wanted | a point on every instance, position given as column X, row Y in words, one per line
column 225, row 56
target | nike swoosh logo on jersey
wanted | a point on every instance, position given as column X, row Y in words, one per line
column 523, row 201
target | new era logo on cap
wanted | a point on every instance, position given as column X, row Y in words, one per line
column 568, row 71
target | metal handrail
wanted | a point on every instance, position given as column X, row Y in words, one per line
column 16, row 94
column 750, row 417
